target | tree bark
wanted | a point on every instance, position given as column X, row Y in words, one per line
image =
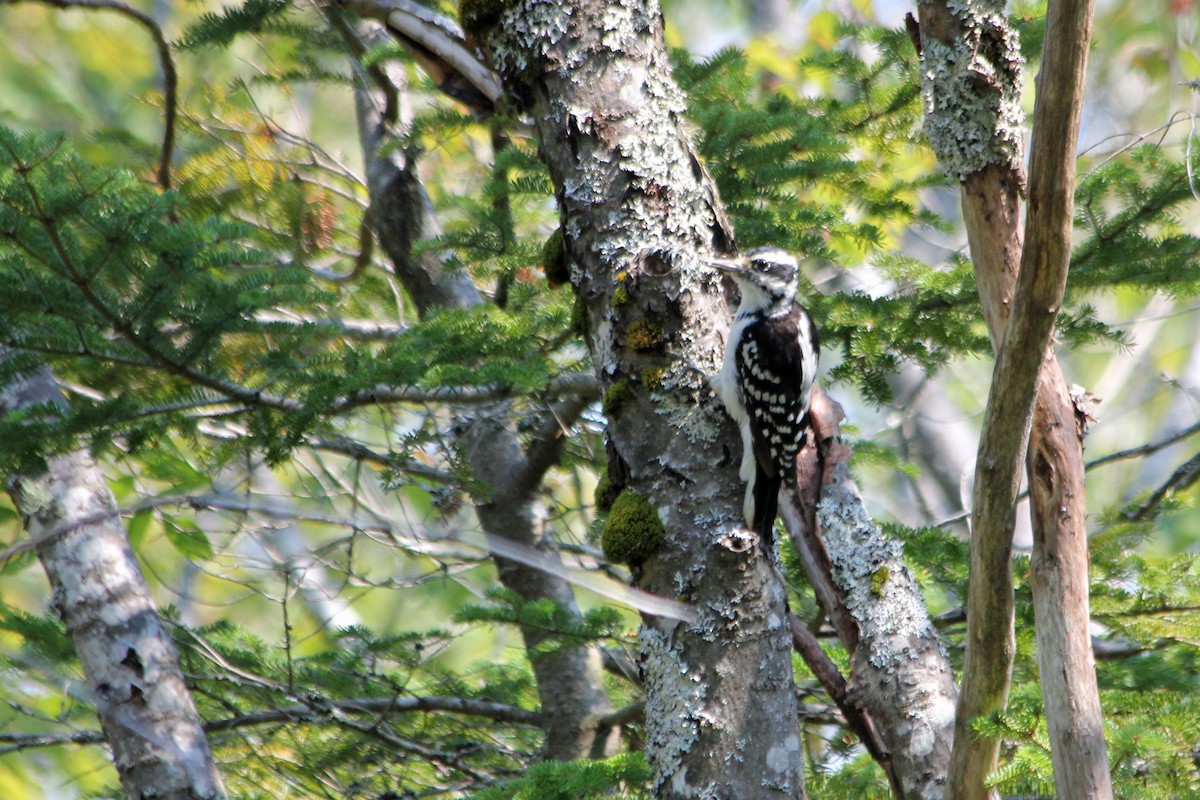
column 637, row 211
column 132, row 669
column 971, row 71
column 900, row 672
column 1059, row 568
column 570, row 680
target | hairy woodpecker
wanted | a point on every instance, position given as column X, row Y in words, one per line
column 766, row 380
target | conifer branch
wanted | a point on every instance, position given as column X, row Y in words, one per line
column 305, row 714
column 366, row 329
column 568, row 384
column 170, row 77
column 443, row 758
column 1182, row 478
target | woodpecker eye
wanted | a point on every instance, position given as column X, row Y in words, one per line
column 770, row 261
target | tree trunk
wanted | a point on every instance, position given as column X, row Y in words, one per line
column 637, row 211
column 1059, row 569
column 570, row 680
column 986, row 156
column 132, row 669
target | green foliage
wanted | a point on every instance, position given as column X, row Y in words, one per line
column 557, row 627
column 338, row 725
column 197, row 330
column 825, row 176
column 1129, row 209
column 43, row 636
column 151, row 303
column 218, row 30
column 623, row 776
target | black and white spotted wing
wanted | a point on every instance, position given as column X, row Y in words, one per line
column 777, row 406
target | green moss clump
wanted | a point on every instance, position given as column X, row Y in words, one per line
column 644, row 334
column 620, row 297
column 554, row 260
column 652, row 378
column 605, row 493
column 615, row 396
column 879, row 579
column 633, row 531
column 579, row 317
column 478, row 16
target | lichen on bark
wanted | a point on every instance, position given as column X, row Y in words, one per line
column 971, row 85
column 638, row 212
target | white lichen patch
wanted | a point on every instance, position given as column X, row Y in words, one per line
column 624, row 25
column 972, row 93
column 674, row 705
column 528, row 27
column 783, row 754
column 869, row 568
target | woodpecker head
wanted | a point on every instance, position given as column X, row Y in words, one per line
column 766, row 277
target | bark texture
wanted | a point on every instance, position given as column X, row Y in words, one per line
column 972, row 134
column 569, row 679
column 900, row 674
column 1059, row 569
column 971, row 77
column 637, row 210
column 132, row 668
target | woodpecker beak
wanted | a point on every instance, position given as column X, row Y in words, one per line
column 733, row 265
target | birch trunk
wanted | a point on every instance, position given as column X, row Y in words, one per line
column 132, row 668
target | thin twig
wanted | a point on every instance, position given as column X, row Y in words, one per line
column 304, row 713
column 170, row 77
column 1183, row 477
column 1121, row 455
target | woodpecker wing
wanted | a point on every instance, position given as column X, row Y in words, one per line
column 776, row 362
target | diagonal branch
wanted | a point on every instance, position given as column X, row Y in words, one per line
column 1183, row 477
column 904, row 692
column 438, row 45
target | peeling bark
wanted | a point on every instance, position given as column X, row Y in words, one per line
column 1059, row 568
column 132, row 668
column 570, row 680
column 991, row 210
column 637, row 211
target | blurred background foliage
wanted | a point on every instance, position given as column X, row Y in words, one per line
column 323, row 552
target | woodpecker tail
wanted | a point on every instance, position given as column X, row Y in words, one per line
column 766, row 505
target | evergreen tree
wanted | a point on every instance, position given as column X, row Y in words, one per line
column 335, row 334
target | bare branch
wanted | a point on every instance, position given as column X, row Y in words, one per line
column 573, row 383
column 859, row 721
column 1183, row 477
column 1146, row 449
column 351, row 328
column 305, row 714
column 545, row 449
column 170, row 77
column 439, row 45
